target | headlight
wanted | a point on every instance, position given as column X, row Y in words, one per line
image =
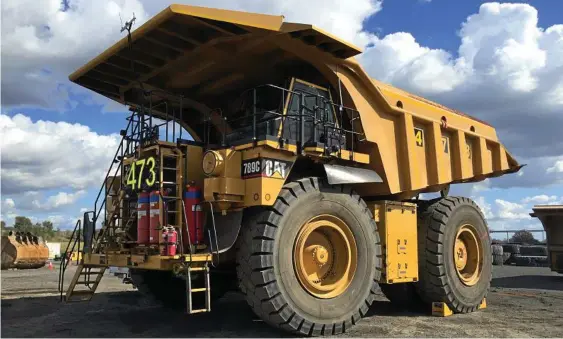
column 212, row 163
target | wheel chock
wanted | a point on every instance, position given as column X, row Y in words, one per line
column 440, row 309
column 483, row 304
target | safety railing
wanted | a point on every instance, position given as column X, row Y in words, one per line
column 73, row 243
column 314, row 117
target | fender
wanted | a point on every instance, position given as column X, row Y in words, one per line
column 337, row 174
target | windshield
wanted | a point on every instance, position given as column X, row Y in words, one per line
column 269, row 107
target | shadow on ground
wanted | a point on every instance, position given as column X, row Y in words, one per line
column 126, row 314
column 540, row 282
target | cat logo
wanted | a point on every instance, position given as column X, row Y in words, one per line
column 275, row 169
column 265, row 167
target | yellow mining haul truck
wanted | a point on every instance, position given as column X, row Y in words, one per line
column 551, row 217
column 272, row 163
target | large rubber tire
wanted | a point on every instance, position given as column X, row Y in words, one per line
column 506, row 258
column 511, row 248
column 537, row 250
column 497, row 249
column 162, row 287
column 265, row 260
column 498, row 259
column 403, row 296
column 438, row 278
column 521, row 260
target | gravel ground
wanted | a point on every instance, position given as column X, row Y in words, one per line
column 524, row 302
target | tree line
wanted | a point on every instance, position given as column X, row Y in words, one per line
column 42, row 229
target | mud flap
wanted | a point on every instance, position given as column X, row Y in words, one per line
column 227, row 228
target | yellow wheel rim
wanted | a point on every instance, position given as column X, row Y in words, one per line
column 325, row 256
column 468, row 255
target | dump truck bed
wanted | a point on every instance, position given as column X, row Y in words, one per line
column 551, row 217
column 209, row 56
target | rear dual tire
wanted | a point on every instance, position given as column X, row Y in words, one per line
column 274, row 267
column 455, row 258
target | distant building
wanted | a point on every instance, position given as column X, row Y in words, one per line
column 54, row 249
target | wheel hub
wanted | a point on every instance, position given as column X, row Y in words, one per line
column 468, row 255
column 460, row 254
column 325, row 256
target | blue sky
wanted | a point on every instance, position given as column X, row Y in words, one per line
column 413, row 44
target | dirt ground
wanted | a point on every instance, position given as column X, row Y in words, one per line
column 524, row 302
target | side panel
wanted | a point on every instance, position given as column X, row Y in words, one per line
column 397, row 225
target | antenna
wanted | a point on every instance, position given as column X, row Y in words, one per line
column 127, row 27
column 128, row 24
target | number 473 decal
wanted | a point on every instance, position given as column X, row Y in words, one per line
column 135, row 180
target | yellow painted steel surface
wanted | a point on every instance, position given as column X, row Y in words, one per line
column 149, row 262
column 397, row 225
column 551, row 216
column 23, row 250
column 211, row 56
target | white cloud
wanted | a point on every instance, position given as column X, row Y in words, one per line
column 507, row 71
column 540, row 199
column 33, row 201
column 556, row 168
column 46, row 155
column 511, row 210
column 43, row 42
column 485, row 207
column 8, row 204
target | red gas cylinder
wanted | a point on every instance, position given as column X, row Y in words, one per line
column 143, row 218
column 170, row 240
column 194, row 214
column 154, row 224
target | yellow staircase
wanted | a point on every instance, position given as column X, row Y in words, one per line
column 88, row 279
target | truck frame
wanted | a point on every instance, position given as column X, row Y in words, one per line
column 275, row 166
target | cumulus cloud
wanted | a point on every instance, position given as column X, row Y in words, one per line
column 540, row 199
column 511, row 210
column 508, row 71
column 556, row 168
column 34, row 201
column 45, row 41
column 46, row 155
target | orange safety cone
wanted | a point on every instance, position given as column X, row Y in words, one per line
column 50, row 265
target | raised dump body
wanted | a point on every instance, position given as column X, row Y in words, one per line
column 23, row 251
column 551, row 217
column 211, row 56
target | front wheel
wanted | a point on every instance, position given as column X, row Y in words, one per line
column 310, row 264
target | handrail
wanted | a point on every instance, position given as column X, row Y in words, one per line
column 64, row 260
column 96, row 210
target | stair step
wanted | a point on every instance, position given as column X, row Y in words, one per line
column 85, row 282
column 193, row 269
column 91, row 272
column 81, row 292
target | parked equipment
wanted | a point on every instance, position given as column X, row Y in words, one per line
column 301, row 185
column 551, row 217
column 23, row 250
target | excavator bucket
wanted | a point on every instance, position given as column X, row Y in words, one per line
column 551, row 216
column 23, row 250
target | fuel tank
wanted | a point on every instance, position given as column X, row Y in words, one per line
column 23, row 250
